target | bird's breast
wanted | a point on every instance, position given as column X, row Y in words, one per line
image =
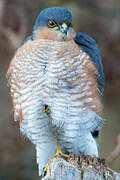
column 70, row 78
column 59, row 73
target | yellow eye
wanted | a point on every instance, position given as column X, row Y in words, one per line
column 51, row 23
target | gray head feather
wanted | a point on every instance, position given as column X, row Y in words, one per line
column 58, row 14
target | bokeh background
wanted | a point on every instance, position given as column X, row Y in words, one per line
column 101, row 20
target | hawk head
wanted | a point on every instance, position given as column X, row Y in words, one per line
column 54, row 23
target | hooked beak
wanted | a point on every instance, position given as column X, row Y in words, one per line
column 64, row 28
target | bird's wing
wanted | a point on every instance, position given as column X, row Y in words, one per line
column 89, row 45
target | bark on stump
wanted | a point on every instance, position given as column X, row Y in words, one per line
column 79, row 168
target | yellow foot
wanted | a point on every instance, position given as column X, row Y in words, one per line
column 47, row 110
column 59, row 152
column 45, row 169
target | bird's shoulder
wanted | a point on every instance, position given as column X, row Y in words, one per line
column 16, row 56
column 28, row 38
column 89, row 45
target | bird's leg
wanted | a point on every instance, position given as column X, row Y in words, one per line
column 59, row 152
column 45, row 169
column 47, row 110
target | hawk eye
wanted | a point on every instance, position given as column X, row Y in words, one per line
column 51, row 23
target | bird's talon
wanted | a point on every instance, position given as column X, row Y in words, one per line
column 47, row 109
column 59, row 152
column 45, row 170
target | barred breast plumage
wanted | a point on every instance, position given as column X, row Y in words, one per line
column 57, row 74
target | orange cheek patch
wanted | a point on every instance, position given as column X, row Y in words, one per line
column 45, row 33
column 52, row 34
column 72, row 34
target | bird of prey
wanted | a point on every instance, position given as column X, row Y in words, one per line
column 56, row 82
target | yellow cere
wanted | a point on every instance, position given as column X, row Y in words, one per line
column 64, row 25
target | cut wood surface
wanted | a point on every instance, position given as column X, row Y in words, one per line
column 79, row 168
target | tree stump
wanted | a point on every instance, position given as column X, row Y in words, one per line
column 79, row 168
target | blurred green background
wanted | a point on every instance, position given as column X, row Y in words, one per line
column 101, row 20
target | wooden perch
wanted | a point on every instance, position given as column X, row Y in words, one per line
column 79, row 168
